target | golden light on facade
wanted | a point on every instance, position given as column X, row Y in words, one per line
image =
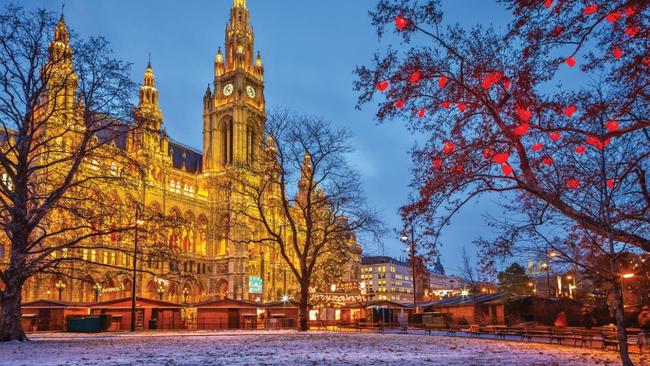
column 628, row 275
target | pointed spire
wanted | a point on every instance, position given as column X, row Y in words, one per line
column 219, row 55
column 61, row 33
column 258, row 61
column 208, row 91
column 149, row 63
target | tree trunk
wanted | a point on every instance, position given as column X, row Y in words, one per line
column 11, row 328
column 621, row 333
column 304, row 306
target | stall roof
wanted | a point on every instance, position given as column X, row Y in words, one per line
column 140, row 302
column 227, row 304
column 388, row 303
column 282, row 304
column 53, row 304
column 479, row 299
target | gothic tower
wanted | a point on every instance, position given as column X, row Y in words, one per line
column 148, row 116
column 234, row 111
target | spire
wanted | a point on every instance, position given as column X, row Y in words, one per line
column 148, row 91
column 239, row 4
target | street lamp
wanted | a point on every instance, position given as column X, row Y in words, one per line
column 548, row 278
column 98, row 290
column 138, row 222
column 404, row 239
column 60, row 286
column 161, row 292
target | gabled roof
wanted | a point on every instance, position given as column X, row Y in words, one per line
column 482, row 299
column 52, row 304
column 140, row 302
column 227, row 304
column 388, row 303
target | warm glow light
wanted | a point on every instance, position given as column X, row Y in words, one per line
column 628, row 275
column 404, row 238
column 464, row 293
column 284, row 298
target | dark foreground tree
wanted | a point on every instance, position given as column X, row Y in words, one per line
column 514, row 279
column 496, row 122
column 304, row 197
column 65, row 114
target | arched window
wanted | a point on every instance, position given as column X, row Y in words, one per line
column 172, row 185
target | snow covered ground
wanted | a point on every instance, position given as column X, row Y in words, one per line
column 291, row 348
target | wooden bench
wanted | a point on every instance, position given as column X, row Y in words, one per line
column 611, row 340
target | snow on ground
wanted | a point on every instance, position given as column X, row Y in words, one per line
column 291, row 348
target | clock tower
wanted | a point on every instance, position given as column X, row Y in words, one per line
column 233, row 108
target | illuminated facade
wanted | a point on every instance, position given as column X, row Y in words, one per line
column 186, row 183
column 388, row 279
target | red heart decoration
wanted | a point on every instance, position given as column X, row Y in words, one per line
column 524, row 114
column 598, row 143
column 548, row 3
column 459, row 169
column 506, row 169
column 632, row 31
column 580, row 149
column 570, row 61
column 422, row 112
column 437, row 163
column 558, row 30
column 500, row 158
column 491, row 79
column 646, row 61
column 399, row 104
column 415, row 77
column 522, row 129
column 537, row 147
column 613, row 17
column 506, row 84
column 462, row 107
column 382, row 86
column 442, row 82
column 610, row 183
column 612, row 126
column 547, row 160
column 573, row 183
column 554, row 136
column 401, row 23
column 448, row 147
column 487, row 153
column 570, row 110
column 588, row 10
column 445, row 104
column 617, row 52
column 630, row 10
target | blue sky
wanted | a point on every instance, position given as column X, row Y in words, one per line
column 310, row 49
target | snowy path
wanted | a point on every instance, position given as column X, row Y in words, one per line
column 290, row 348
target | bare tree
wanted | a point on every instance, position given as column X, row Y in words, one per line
column 65, row 115
column 303, row 195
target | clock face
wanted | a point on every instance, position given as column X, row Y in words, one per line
column 228, row 89
column 250, row 91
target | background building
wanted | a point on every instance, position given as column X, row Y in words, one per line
column 387, row 278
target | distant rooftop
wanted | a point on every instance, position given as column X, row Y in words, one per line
column 367, row 261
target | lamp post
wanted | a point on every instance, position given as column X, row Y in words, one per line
column 98, row 290
column 161, row 292
column 624, row 276
column 138, row 222
column 548, row 278
column 412, row 253
column 60, row 286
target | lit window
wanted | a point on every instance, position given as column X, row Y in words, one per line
column 105, row 259
column 113, row 258
column 178, row 187
column 114, row 170
column 172, row 185
column 84, row 254
column 93, row 255
column 94, row 165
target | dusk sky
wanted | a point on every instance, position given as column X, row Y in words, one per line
column 309, row 49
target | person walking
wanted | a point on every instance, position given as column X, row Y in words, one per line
column 644, row 324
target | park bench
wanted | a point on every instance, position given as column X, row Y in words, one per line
column 474, row 331
column 610, row 339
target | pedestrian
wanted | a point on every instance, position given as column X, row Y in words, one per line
column 644, row 324
column 560, row 320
